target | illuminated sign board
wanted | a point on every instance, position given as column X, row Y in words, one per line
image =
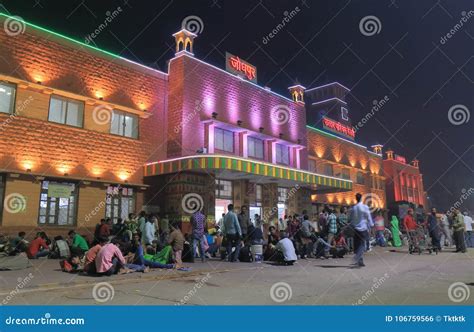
column 400, row 159
column 338, row 128
column 237, row 66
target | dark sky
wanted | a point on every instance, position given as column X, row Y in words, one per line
column 422, row 77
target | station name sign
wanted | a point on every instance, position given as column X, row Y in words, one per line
column 400, row 159
column 338, row 128
column 237, row 66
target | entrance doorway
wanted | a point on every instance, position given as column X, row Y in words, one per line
column 253, row 211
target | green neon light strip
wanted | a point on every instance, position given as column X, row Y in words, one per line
column 77, row 42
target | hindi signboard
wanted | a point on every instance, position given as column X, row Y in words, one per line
column 237, row 66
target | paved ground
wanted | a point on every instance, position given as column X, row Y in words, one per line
column 391, row 277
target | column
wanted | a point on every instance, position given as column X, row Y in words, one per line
column 209, row 132
column 243, row 151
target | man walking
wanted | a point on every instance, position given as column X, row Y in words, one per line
column 198, row 222
column 361, row 220
column 233, row 233
column 433, row 229
column 446, row 238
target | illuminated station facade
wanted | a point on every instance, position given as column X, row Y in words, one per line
column 87, row 134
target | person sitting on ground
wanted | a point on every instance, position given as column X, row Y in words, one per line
column 158, row 261
column 176, row 240
column 285, row 251
column 118, row 228
column 273, row 236
column 110, row 261
column 78, row 245
column 340, row 247
column 89, row 261
column 38, row 247
column 60, row 248
column 103, row 229
column 18, row 244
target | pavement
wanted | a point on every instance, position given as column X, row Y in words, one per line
column 390, row 277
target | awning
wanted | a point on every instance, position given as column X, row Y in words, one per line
column 233, row 168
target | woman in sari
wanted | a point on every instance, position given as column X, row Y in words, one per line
column 395, row 232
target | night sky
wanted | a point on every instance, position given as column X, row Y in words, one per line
column 405, row 61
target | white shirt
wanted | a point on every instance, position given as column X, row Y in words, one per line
column 360, row 217
column 286, row 247
column 468, row 223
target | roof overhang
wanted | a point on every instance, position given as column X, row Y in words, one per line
column 236, row 168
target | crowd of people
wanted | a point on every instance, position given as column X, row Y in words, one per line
column 148, row 241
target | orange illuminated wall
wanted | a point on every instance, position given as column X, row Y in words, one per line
column 28, row 142
column 327, row 149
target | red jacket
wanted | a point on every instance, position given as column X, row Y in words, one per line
column 35, row 246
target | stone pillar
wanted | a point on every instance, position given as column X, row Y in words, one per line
column 270, row 204
column 210, row 137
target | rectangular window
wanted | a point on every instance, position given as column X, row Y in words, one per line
column 120, row 202
column 282, row 154
column 124, row 124
column 346, row 174
column 258, row 193
column 223, row 189
column 58, row 203
column 312, row 165
column 255, row 147
column 282, row 195
column 360, row 178
column 224, row 140
column 328, row 169
column 66, row 111
column 7, row 97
